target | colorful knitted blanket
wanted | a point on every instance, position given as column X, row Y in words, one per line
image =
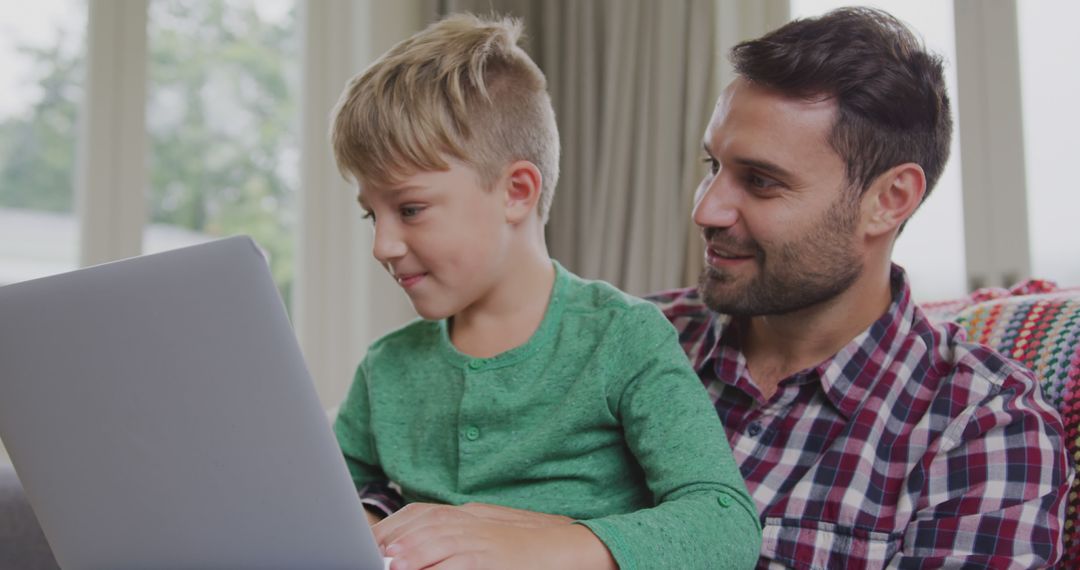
column 1038, row 325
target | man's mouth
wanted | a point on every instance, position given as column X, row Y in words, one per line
column 723, row 258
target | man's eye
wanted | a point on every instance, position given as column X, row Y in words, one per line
column 760, row 182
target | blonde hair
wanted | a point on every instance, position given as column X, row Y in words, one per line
column 461, row 88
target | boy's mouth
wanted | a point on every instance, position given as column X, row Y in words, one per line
column 407, row 280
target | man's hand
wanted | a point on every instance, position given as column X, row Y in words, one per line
column 476, row 536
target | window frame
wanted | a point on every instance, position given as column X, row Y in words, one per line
column 997, row 241
column 342, row 300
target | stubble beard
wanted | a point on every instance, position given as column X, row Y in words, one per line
column 801, row 273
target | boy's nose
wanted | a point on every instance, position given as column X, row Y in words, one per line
column 716, row 203
column 387, row 245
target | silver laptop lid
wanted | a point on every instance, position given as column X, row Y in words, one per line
column 159, row 415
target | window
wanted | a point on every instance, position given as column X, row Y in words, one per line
column 196, row 122
column 42, row 48
column 1050, row 87
column 222, row 117
column 931, row 248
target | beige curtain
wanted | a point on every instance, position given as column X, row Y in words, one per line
column 632, row 107
column 633, row 83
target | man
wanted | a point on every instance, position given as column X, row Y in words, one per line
column 867, row 435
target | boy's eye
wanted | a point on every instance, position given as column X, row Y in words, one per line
column 714, row 165
column 368, row 215
column 410, row 211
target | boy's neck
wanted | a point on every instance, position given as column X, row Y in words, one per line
column 511, row 312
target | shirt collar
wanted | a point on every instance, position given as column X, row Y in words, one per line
column 846, row 377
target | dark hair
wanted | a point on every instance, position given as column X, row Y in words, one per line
column 890, row 92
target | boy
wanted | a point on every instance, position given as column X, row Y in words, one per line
column 524, row 385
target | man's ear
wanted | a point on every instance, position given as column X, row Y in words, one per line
column 523, row 185
column 894, row 196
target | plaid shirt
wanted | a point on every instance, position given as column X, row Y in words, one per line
column 909, row 448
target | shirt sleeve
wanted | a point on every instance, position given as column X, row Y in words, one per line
column 996, row 488
column 381, row 497
column 703, row 515
column 353, row 430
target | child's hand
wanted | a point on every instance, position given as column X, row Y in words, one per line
column 372, row 518
column 439, row 537
column 514, row 517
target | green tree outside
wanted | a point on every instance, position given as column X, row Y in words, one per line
column 222, row 119
column 37, row 150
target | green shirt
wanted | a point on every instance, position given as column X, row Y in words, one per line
column 598, row 416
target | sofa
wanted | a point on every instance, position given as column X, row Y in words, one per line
column 1034, row 323
column 22, row 544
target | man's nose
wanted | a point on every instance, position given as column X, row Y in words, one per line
column 388, row 244
column 716, row 202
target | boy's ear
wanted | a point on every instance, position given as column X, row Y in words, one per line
column 893, row 198
column 523, row 185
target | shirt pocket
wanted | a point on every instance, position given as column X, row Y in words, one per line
column 810, row 545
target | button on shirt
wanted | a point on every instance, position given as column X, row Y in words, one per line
column 909, row 448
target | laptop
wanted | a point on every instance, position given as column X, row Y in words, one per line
column 159, row 414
